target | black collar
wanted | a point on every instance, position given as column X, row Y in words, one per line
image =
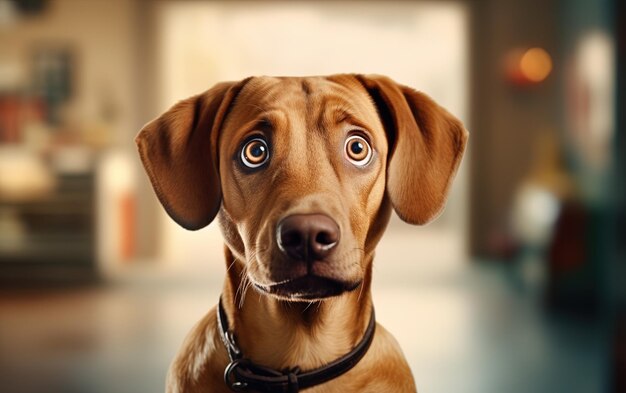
column 243, row 375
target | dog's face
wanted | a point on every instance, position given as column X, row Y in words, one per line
column 303, row 172
column 302, row 164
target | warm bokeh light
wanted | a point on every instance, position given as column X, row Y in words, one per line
column 527, row 66
column 536, row 64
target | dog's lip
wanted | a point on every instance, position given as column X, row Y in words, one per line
column 309, row 287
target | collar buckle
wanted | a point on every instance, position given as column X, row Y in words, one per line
column 233, row 348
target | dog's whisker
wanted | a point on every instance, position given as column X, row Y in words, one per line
column 307, row 307
column 254, row 253
column 243, row 295
column 246, row 285
column 231, row 265
column 360, row 291
column 240, row 293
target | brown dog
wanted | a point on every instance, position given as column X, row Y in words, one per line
column 302, row 174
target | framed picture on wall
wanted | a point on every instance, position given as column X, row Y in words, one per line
column 53, row 74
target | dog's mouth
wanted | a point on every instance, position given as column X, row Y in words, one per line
column 308, row 288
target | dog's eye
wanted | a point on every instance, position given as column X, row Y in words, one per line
column 255, row 153
column 358, row 151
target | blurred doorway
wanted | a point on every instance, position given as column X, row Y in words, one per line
column 202, row 43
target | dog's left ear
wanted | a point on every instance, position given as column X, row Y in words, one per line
column 179, row 153
column 426, row 145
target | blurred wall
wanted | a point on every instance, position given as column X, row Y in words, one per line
column 618, row 373
column 147, row 89
column 620, row 153
column 505, row 121
column 98, row 34
column 202, row 43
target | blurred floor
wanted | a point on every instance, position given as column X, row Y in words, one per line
column 469, row 331
column 111, row 338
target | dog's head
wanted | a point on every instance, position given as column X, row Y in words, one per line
column 303, row 172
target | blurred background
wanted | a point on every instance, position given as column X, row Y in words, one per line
column 519, row 286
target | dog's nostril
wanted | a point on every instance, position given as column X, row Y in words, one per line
column 326, row 238
column 291, row 238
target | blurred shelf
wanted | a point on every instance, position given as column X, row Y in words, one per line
column 54, row 236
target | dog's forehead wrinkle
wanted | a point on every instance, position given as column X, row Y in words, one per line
column 306, row 87
column 323, row 103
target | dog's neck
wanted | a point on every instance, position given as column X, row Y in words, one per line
column 280, row 334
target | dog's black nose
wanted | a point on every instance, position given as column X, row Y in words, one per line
column 307, row 237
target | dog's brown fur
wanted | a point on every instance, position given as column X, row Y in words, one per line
column 191, row 156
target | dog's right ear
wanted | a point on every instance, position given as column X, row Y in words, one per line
column 179, row 153
column 426, row 144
